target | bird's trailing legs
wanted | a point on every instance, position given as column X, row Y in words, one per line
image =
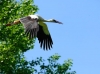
column 13, row 23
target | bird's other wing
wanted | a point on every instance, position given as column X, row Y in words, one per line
column 31, row 26
column 44, row 36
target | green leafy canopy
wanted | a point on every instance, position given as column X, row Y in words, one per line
column 13, row 41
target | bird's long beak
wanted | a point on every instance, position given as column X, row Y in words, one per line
column 58, row 22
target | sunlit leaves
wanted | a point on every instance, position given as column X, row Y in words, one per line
column 13, row 40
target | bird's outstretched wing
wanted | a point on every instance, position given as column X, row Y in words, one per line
column 44, row 37
column 31, row 26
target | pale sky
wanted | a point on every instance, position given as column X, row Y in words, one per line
column 79, row 36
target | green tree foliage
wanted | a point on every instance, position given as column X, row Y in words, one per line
column 14, row 42
column 53, row 67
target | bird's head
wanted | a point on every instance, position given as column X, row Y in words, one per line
column 55, row 21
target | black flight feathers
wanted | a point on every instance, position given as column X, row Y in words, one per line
column 44, row 39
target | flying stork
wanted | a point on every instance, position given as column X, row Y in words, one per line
column 35, row 27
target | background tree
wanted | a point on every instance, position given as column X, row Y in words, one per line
column 13, row 42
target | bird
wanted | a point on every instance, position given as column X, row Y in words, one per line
column 35, row 26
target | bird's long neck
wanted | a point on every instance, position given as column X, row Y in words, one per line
column 47, row 20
